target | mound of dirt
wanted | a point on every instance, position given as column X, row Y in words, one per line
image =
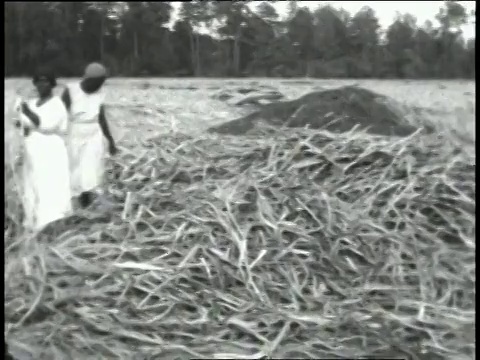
column 336, row 110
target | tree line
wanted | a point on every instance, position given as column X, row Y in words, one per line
column 245, row 38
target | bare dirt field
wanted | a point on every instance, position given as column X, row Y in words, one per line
column 297, row 243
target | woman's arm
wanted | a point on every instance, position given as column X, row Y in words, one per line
column 102, row 120
column 34, row 118
column 66, row 99
column 54, row 118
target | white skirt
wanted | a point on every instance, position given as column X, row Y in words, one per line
column 46, row 180
column 87, row 158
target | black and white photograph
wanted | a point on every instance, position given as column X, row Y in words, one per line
column 239, row 180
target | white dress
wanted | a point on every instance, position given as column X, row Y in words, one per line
column 86, row 143
column 46, row 176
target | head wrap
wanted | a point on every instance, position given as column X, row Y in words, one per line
column 45, row 73
column 95, row 70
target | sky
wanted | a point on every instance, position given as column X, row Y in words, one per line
column 385, row 10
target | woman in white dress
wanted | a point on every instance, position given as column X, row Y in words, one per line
column 46, row 175
column 88, row 127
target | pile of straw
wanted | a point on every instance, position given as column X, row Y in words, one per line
column 301, row 245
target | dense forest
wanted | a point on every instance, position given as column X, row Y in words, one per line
column 246, row 38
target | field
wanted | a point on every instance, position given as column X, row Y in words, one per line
column 304, row 244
